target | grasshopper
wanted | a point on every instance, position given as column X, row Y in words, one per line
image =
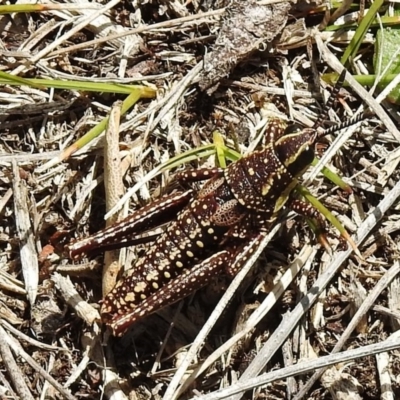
column 211, row 232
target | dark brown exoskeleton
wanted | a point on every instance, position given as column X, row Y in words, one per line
column 212, row 232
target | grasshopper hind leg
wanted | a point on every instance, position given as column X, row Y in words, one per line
column 177, row 289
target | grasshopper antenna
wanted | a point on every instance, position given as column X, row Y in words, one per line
column 344, row 124
column 324, row 114
column 328, row 105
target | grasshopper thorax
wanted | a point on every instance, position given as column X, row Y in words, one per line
column 295, row 148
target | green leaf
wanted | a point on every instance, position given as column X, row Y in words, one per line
column 386, row 46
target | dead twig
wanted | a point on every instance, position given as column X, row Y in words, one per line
column 16, row 375
column 84, row 310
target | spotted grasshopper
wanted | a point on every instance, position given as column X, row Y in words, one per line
column 213, row 231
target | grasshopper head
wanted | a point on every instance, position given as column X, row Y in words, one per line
column 295, row 148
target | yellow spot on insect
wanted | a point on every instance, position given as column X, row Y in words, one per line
column 167, row 274
column 122, row 302
column 199, row 243
column 142, row 296
column 205, row 206
column 178, row 232
column 179, row 264
column 155, row 285
column 265, row 189
column 152, row 276
column 210, row 231
column 140, row 287
column 189, row 254
column 251, row 171
column 188, row 221
column 130, row 297
column 194, row 174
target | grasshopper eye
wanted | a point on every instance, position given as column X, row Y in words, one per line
column 292, row 129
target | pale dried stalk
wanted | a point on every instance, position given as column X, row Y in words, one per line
column 29, row 259
column 48, row 391
column 4, row 200
column 42, row 54
column 144, row 28
column 84, row 310
column 168, row 102
column 393, row 302
column 383, row 367
column 11, row 366
column 363, row 309
column 172, row 391
column 28, row 339
column 114, row 191
column 95, row 351
column 237, row 389
column 19, row 351
column 287, row 325
column 306, row 256
column 78, row 370
column 335, row 64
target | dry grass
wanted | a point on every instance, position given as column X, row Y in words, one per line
column 296, row 306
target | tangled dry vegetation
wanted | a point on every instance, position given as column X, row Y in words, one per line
column 215, row 65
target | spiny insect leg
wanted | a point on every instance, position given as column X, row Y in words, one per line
column 177, row 289
column 246, row 253
column 119, row 235
column 308, row 211
column 196, row 175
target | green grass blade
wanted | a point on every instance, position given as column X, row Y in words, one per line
column 361, row 31
column 219, row 148
column 103, row 87
column 188, row 156
column 8, row 79
column 322, row 209
column 129, row 102
column 385, row 22
column 365, row 80
column 333, row 177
